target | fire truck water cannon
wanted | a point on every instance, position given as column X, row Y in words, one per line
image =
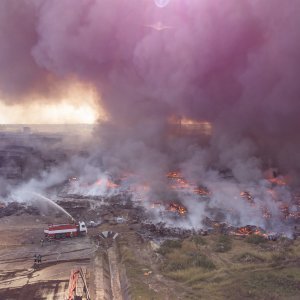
column 60, row 231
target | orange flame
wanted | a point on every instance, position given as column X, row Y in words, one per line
column 109, row 184
column 174, row 207
column 180, row 183
column 278, row 181
column 248, row 230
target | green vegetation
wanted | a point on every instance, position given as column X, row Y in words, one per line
column 268, row 284
column 200, row 260
column 223, row 244
column 214, row 267
column 256, row 239
column 226, row 267
column 279, row 258
column 198, row 240
column 138, row 289
column 182, row 255
column 168, row 245
column 248, row 257
column 189, row 261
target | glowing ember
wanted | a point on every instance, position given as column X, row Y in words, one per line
column 278, row 181
column 248, row 230
column 175, row 207
column 201, row 191
column 178, row 182
column 108, row 183
column 174, row 175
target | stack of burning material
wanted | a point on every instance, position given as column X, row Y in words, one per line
column 178, row 182
column 249, row 230
column 169, row 209
column 202, row 191
column 177, row 208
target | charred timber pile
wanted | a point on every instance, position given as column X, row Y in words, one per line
column 17, row 209
column 150, row 231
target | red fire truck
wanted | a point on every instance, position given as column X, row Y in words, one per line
column 65, row 230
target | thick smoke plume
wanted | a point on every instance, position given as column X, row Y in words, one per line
column 233, row 63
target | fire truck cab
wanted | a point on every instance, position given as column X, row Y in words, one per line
column 65, row 230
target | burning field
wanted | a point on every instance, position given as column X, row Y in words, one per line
column 147, row 236
column 272, row 205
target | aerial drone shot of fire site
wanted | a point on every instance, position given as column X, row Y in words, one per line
column 149, row 149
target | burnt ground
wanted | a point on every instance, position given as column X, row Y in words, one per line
column 143, row 261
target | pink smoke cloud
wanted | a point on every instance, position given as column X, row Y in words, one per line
column 234, row 63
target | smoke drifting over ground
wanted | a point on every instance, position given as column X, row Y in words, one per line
column 232, row 63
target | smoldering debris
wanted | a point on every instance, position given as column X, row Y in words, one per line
column 18, row 209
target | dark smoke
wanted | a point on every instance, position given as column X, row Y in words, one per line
column 233, row 63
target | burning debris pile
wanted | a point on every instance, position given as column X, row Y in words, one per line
column 158, row 231
column 173, row 218
column 102, row 187
column 177, row 182
column 249, row 230
column 177, row 208
column 183, row 199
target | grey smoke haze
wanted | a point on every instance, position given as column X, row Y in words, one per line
column 233, row 63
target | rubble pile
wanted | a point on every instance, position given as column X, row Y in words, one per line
column 159, row 230
column 17, row 209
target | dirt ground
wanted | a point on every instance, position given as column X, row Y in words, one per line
column 20, row 241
